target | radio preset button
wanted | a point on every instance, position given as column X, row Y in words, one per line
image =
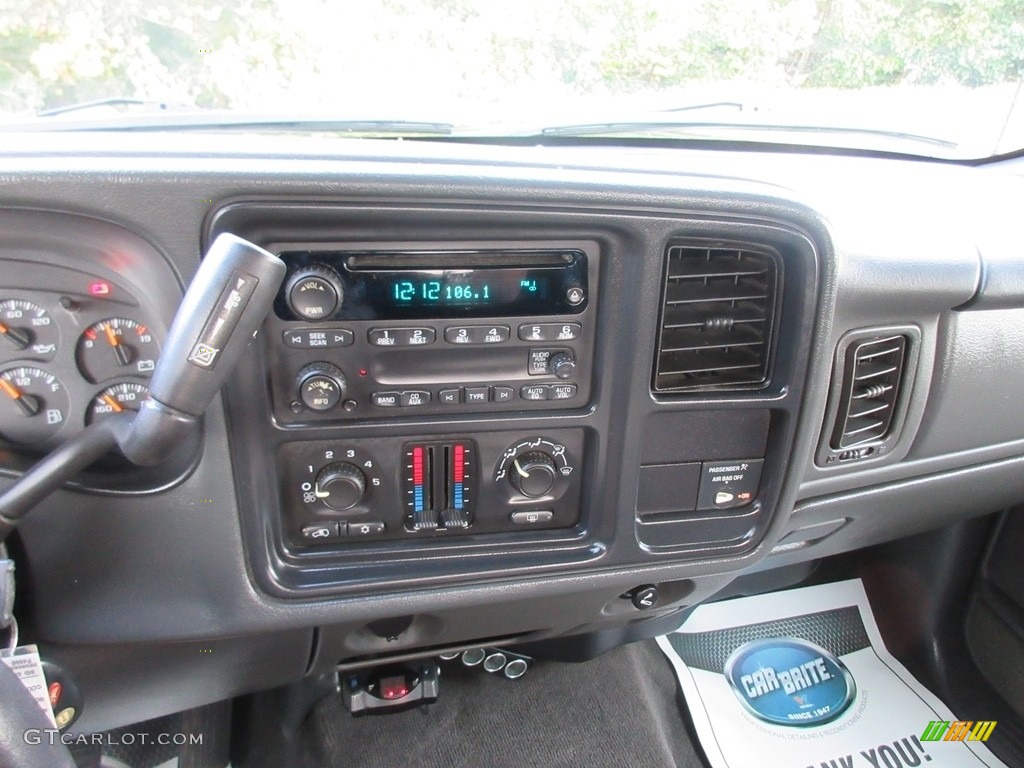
column 415, row 398
column 477, row 334
column 550, row 331
column 401, row 337
column 534, row 392
column 386, row 399
column 449, row 396
column 316, row 338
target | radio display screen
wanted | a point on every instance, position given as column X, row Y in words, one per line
column 408, row 286
column 475, row 288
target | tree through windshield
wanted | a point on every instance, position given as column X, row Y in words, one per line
column 945, row 69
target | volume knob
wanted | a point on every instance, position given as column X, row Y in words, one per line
column 314, row 292
column 340, row 486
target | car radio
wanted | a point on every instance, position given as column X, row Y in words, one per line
column 363, row 333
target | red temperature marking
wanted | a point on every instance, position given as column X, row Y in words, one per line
column 459, row 464
column 417, row 466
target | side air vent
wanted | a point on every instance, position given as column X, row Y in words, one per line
column 871, row 385
column 716, row 318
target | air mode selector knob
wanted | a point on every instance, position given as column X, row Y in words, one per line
column 340, row 486
column 314, row 292
column 321, row 386
column 533, row 474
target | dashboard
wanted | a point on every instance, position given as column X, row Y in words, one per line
column 502, row 390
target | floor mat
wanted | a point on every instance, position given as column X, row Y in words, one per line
column 801, row 678
column 618, row 710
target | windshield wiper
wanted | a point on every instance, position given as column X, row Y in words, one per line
column 82, row 106
column 161, row 120
column 693, row 128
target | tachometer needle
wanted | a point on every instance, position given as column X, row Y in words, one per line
column 17, row 337
column 28, row 404
column 119, row 349
column 115, row 406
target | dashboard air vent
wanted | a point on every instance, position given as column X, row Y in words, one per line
column 716, row 319
column 871, row 383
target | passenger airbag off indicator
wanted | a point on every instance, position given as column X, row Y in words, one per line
column 729, row 484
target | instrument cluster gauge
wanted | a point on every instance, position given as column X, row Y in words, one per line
column 116, row 347
column 27, row 330
column 34, row 405
column 117, row 398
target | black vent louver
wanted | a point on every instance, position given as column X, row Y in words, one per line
column 871, row 383
column 717, row 318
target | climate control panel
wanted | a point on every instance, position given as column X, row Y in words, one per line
column 339, row 492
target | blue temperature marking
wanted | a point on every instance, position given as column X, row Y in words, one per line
column 418, row 498
column 458, row 495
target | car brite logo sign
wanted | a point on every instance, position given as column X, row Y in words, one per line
column 789, row 681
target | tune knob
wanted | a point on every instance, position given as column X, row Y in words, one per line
column 321, row 386
column 533, row 474
column 314, row 292
column 340, row 486
column 562, row 365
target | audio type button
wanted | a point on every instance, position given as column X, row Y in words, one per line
column 476, row 394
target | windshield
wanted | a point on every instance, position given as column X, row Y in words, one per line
column 938, row 78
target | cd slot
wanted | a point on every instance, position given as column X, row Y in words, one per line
column 432, row 260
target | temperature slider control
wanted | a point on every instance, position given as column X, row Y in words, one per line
column 439, row 485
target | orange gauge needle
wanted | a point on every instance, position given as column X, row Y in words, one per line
column 119, row 351
column 9, row 389
column 14, row 336
column 115, row 406
column 29, row 405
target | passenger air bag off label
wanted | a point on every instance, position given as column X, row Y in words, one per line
column 801, row 679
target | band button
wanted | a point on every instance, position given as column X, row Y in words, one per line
column 386, row 399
